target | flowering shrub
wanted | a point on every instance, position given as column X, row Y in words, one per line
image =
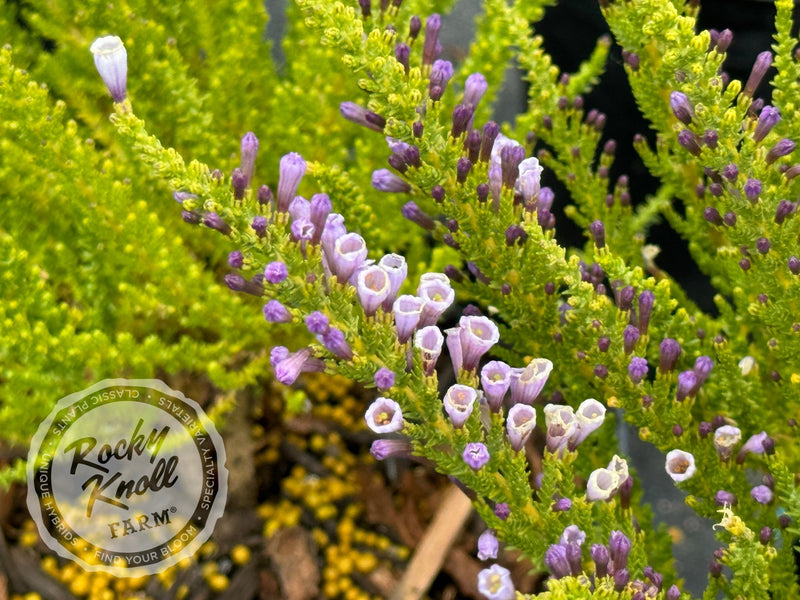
column 395, row 202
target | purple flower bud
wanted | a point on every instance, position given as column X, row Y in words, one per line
column 111, row 61
column 754, row 445
column 474, row 88
column 519, row 424
column 686, row 383
column 361, row 116
column 249, row 149
column 441, row 73
column 765, row 535
column 681, row 107
column 555, row 558
column 625, row 300
column 702, row 369
column 384, row 416
column 317, row 323
column 601, row 558
column 476, row 455
column 527, row 383
column 462, row 114
column 561, row 505
column 437, row 295
column 275, row 272
column 781, row 148
column 598, row 231
column 417, row 128
column 495, row 381
column 213, row 221
column 459, row 400
column 235, row 259
column 495, row 583
column 407, row 311
column 414, row 27
column 490, row 133
column 487, row 542
column 637, row 369
column 372, row 287
column 763, row 245
column 334, row 342
column 350, row 252
column 501, row 511
column 383, row 449
column 710, row 138
column 768, row 118
column 794, row 265
column 402, row 53
column 673, row 593
column 511, row 157
column 688, row 140
column 384, row 180
column 574, row 558
column 712, row 215
column 619, row 546
column 724, row 40
column 785, row 208
column 277, row 354
column 429, row 340
column 292, row 169
column 259, row 225
column 288, row 369
column 668, row 352
column 383, row 379
column 238, row 183
column 725, row 438
column 762, row 494
column 319, row 209
column 760, row 67
column 275, row 312
column 431, row 47
column 239, row 284
column 472, row 144
column 529, row 179
column 462, row 169
column 646, row 301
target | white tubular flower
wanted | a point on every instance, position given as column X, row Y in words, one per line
column 602, row 484
column 589, row 416
column 680, row 465
column 111, row 60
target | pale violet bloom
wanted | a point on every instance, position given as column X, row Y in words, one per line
column 384, row 416
column 291, row 171
column 680, row 465
column 620, row 467
column 519, row 424
column 501, row 142
column 561, row 426
column 437, row 295
column 407, row 310
column 373, row 287
column 495, row 381
column 495, row 583
column 602, row 484
column 528, row 382
column 725, row 438
column 589, row 416
column 350, row 252
column 397, row 269
column 572, row 535
column 429, row 340
column 468, row 342
column 111, row 61
column 459, row 401
column 530, row 175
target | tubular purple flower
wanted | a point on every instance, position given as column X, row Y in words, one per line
column 317, row 323
column 350, row 252
column 302, row 231
column 601, row 558
column 495, row 381
column 396, row 268
column 474, row 88
column 441, row 73
column 288, row 369
column 373, row 287
column 235, row 259
column 555, row 559
column 754, row 445
column 495, row 177
column 702, row 369
column 673, row 593
column 529, row 180
column 686, row 384
column 489, row 134
column 275, row 272
column 291, row 171
column 384, row 416
column 361, row 116
column 688, row 140
column 477, row 335
column 495, row 583
column 237, row 283
column 459, row 400
column 762, row 494
column 476, row 455
column 383, row 449
column 629, row 338
column 785, row 208
column 384, row 180
column 680, row 465
column 111, row 61
column 407, row 312
column 431, row 48
column 637, row 369
column 437, row 295
column 275, row 312
column 487, row 545
column 668, row 352
column 462, row 115
column 589, row 416
column 681, row 107
column 333, row 230
column 415, row 214
column 619, row 546
column 277, row 354
column 725, row 438
column 402, row 52
column 511, row 157
column 249, row 150
column 319, row 209
column 602, row 484
column 238, row 183
column 646, row 301
column 527, row 383
column 769, row 117
column 213, row 221
column 781, row 148
column 760, row 67
column 429, row 340
column 333, row 340
column 383, row 378
column 621, row 579
column 520, row 422
column 574, row 557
